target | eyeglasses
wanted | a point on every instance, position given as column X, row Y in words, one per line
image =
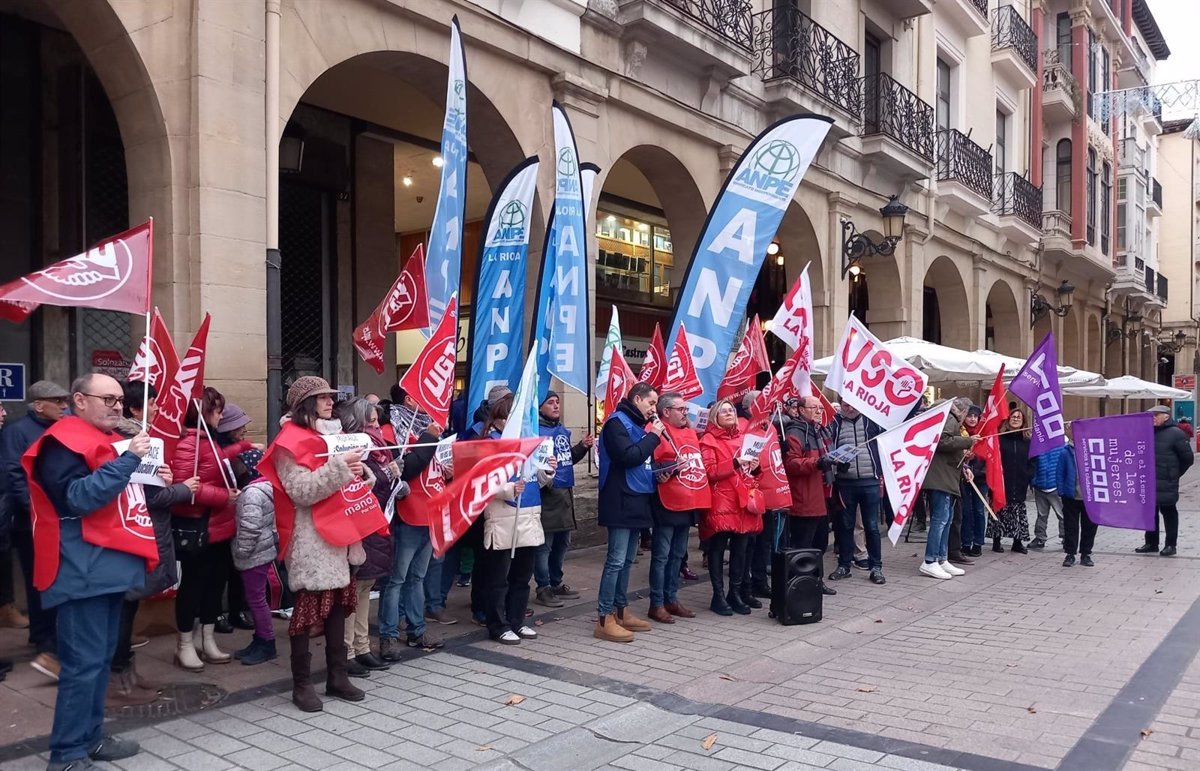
column 109, row 401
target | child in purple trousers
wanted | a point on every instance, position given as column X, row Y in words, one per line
column 254, row 550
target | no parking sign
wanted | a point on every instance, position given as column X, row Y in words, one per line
column 12, row 382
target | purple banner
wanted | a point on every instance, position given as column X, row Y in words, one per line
column 1115, row 460
column 1037, row 385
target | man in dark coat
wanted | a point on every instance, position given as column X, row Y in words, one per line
column 558, row 505
column 1172, row 457
column 627, row 444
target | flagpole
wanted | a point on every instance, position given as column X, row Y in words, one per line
column 149, row 296
column 196, row 458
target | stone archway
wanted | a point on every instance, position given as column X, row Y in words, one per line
column 946, row 311
column 1072, row 354
column 875, row 297
column 799, row 247
column 1003, row 333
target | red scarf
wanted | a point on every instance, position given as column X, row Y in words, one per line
column 382, row 457
column 122, row 525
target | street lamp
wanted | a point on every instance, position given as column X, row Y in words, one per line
column 856, row 246
column 1039, row 306
column 1173, row 344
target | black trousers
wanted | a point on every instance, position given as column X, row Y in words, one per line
column 504, row 586
column 1170, row 518
column 808, row 533
column 123, row 655
column 43, row 622
column 202, row 585
column 736, row 544
column 758, row 556
column 1080, row 529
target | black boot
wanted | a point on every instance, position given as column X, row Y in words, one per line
column 1019, row 547
column 716, row 576
column 734, row 598
column 996, row 547
column 748, row 598
column 304, row 696
column 337, row 672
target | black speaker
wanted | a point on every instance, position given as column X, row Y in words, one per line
column 796, row 586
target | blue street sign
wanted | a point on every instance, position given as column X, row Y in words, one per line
column 12, row 382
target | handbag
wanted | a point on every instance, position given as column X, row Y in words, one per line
column 756, row 504
column 190, row 534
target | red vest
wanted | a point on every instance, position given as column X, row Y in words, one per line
column 414, row 509
column 688, row 488
column 122, row 525
column 773, row 481
column 344, row 518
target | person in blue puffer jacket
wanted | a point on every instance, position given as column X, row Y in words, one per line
column 1046, row 494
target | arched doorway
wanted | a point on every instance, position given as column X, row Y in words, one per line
column 875, row 296
column 798, row 247
column 946, row 313
column 1072, row 342
column 648, row 218
column 363, row 198
column 1002, row 331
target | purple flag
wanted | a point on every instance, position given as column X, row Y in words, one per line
column 1037, row 385
column 1115, row 460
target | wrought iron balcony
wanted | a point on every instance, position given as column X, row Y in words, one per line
column 1009, row 30
column 981, row 6
column 961, row 160
column 1156, row 192
column 1162, row 287
column 1016, row 196
column 728, row 18
column 891, row 109
column 788, row 44
column 1060, row 90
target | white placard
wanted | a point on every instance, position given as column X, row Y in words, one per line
column 444, row 454
column 337, row 444
column 152, row 461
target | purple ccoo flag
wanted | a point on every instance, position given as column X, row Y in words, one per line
column 1037, row 385
column 1115, row 460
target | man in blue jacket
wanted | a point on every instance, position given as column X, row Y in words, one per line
column 627, row 444
column 1079, row 531
column 1046, row 494
column 83, row 516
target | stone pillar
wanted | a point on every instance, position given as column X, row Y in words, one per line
column 376, row 261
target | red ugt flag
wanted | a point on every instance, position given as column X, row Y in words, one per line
column 156, row 357
column 654, row 365
column 406, row 306
column 750, row 359
column 430, row 379
column 184, row 385
column 995, row 413
column 681, row 369
column 114, row 275
column 620, row 380
column 481, row 469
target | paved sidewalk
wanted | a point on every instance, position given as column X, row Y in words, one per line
column 1019, row 664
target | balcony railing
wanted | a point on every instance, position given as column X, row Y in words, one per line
column 961, row 160
column 1009, row 30
column 1056, row 223
column 1057, row 75
column 890, row 108
column 1162, row 287
column 1156, row 192
column 1016, row 196
column 1132, row 155
column 981, row 6
column 1151, row 282
column 728, row 18
column 788, row 44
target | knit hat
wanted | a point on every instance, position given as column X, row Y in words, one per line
column 974, row 410
column 497, row 393
column 233, row 417
column 304, row 387
column 45, row 389
column 550, row 393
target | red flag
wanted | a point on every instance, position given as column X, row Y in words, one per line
column 406, row 306
column 829, row 414
column 114, row 275
column 430, row 379
column 750, row 359
column 620, row 380
column 780, row 388
column 653, row 366
column 481, row 469
column 681, row 369
column 156, row 356
column 185, row 385
column 995, row 413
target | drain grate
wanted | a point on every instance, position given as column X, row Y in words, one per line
column 176, row 700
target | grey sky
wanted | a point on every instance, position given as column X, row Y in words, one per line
column 1177, row 20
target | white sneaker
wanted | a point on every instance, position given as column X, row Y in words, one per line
column 952, row 569
column 526, row 633
column 508, row 637
column 933, row 570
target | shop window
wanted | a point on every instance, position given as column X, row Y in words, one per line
column 633, row 255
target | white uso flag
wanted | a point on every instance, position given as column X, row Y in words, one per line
column 873, row 380
column 905, row 453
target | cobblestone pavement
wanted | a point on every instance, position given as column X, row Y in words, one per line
column 1019, row 664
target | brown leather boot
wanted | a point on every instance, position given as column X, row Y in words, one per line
column 660, row 615
column 608, row 629
column 675, row 609
column 631, row 622
column 304, row 696
column 337, row 665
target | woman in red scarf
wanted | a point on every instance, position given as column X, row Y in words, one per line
column 728, row 524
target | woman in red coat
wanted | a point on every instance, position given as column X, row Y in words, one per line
column 203, row 529
column 728, row 524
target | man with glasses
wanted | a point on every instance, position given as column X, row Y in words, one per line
column 47, row 404
column 809, row 472
column 857, row 486
column 93, row 539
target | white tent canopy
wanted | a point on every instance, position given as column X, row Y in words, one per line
column 1128, row 387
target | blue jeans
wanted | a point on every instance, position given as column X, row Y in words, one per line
column 548, row 564
column 435, row 595
column 862, row 498
column 87, row 636
column 666, row 555
column 614, row 581
column 974, row 516
column 937, row 544
column 410, row 560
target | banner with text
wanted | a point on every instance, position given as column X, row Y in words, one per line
column 1037, row 385
column 613, row 338
column 905, row 453
column 793, row 324
column 1115, row 460
column 872, row 379
column 741, row 224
